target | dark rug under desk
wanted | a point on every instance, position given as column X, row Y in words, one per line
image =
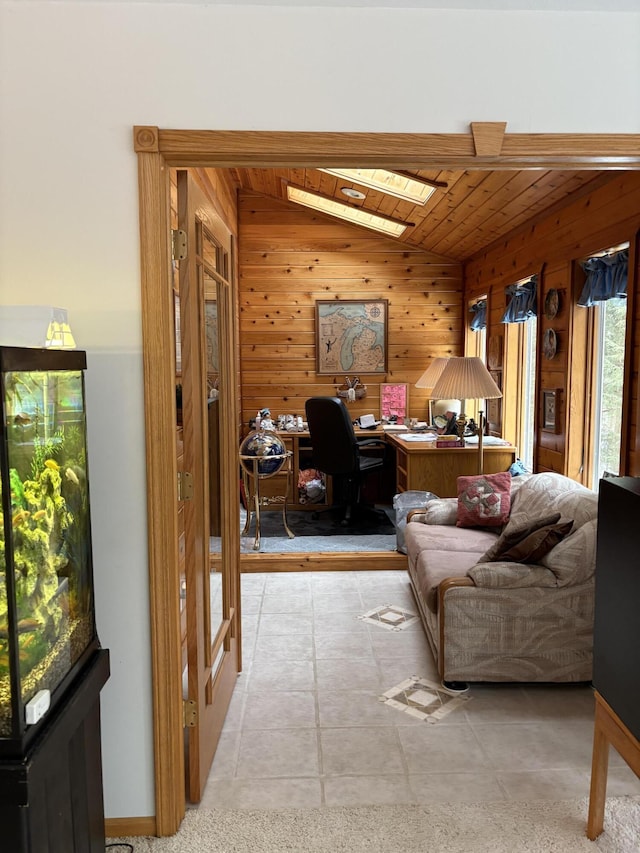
column 326, row 524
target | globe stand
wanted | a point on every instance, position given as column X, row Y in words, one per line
column 255, row 469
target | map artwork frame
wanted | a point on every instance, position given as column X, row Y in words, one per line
column 351, row 336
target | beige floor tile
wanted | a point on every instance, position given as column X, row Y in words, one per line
column 545, row 784
column 287, row 602
column 341, row 623
column 283, row 647
column 498, row 703
column 348, row 675
column 455, row 787
column 287, row 582
column 622, row 781
column 251, row 604
column 439, row 748
column 288, row 753
column 514, row 746
column 336, row 602
column 361, row 751
column 276, row 709
column 567, row 701
column 285, row 623
column 336, row 582
column 341, row 646
column 395, row 670
column 367, row 791
column 354, row 708
column 226, row 757
column 274, row 794
column 282, row 675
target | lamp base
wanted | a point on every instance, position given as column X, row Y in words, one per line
column 461, row 425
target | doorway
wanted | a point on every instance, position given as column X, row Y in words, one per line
column 159, row 149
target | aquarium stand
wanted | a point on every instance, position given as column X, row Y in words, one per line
column 51, row 798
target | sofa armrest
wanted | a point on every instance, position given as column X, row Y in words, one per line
column 438, row 511
column 511, row 575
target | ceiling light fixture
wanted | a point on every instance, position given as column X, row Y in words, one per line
column 355, row 215
column 399, row 184
column 351, row 193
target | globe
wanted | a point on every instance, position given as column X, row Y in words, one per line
column 265, row 446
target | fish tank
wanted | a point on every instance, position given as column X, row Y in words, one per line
column 47, row 616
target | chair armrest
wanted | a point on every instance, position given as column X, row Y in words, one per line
column 370, row 442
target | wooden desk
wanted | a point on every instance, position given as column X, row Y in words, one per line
column 299, row 443
column 609, row 730
column 422, row 466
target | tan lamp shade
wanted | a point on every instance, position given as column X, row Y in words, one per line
column 432, row 373
column 465, row 378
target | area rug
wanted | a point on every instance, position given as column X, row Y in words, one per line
column 504, row 827
column 326, row 524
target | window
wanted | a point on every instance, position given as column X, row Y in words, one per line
column 609, row 336
column 528, row 333
column 604, row 297
column 476, row 345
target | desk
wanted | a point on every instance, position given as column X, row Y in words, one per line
column 423, row 467
column 299, row 444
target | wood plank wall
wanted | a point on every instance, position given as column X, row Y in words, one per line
column 552, row 246
column 291, row 257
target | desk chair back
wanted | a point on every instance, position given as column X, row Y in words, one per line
column 335, row 447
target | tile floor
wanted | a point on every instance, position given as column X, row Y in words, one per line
column 306, row 726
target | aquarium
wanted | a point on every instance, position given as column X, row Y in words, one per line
column 47, row 622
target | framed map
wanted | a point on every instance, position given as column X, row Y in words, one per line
column 351, row 336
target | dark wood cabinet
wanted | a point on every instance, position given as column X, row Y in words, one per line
column 616, row 652
column 51, row 797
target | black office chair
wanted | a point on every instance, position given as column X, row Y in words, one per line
column 336, row 450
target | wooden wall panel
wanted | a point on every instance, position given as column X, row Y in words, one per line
column 291, row 257
column 552, row 245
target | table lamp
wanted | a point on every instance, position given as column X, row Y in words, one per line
column 429, row 379
column 467, row 378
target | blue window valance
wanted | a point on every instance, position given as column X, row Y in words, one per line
column 522, row 301
column 606, row 278
column 479, row 311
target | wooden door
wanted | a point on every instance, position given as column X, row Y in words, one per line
column 211, row 585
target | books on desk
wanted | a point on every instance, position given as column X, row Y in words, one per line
column 418, row 436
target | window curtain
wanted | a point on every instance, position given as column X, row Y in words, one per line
column 522, row 301
column 606, row 278
column 479, row 311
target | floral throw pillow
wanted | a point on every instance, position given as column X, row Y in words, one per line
column 484, row 500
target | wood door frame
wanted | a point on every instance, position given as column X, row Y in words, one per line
column 487, row 146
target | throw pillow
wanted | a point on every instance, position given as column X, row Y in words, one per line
column 533, row 547
column 514, row 532
column 484, row 500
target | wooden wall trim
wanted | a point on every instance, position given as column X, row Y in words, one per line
column 128, row 827
column 410, row 150
column 162, row 528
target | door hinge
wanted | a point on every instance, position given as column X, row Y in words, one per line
column 178, row 244
column 189, row 713
column 185, row 486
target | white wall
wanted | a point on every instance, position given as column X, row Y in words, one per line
column 75, row 78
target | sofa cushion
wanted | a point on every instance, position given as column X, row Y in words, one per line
column 511, row 576
column 434, row 566
column 514, row 532
column 532, row 548
column 425, row 537
column 484, row 500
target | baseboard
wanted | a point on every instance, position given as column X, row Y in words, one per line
column 347, row 561
column 125, row 827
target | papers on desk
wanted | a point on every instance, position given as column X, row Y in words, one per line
column 394, row 427
column 487, row 441
column 418, row 436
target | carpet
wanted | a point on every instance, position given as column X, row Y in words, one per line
column 326, row 524
column 503, row 827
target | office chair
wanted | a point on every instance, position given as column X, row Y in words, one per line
column 336, row 450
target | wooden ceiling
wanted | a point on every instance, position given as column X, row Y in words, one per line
column 476, row 209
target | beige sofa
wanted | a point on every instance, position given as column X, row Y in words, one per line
column 503, row 620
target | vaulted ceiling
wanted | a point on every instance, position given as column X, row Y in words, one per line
column 476, row 209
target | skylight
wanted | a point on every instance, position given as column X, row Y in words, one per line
column 344, row 211
column 393, row 183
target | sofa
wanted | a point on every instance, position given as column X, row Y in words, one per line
column 513, row 601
